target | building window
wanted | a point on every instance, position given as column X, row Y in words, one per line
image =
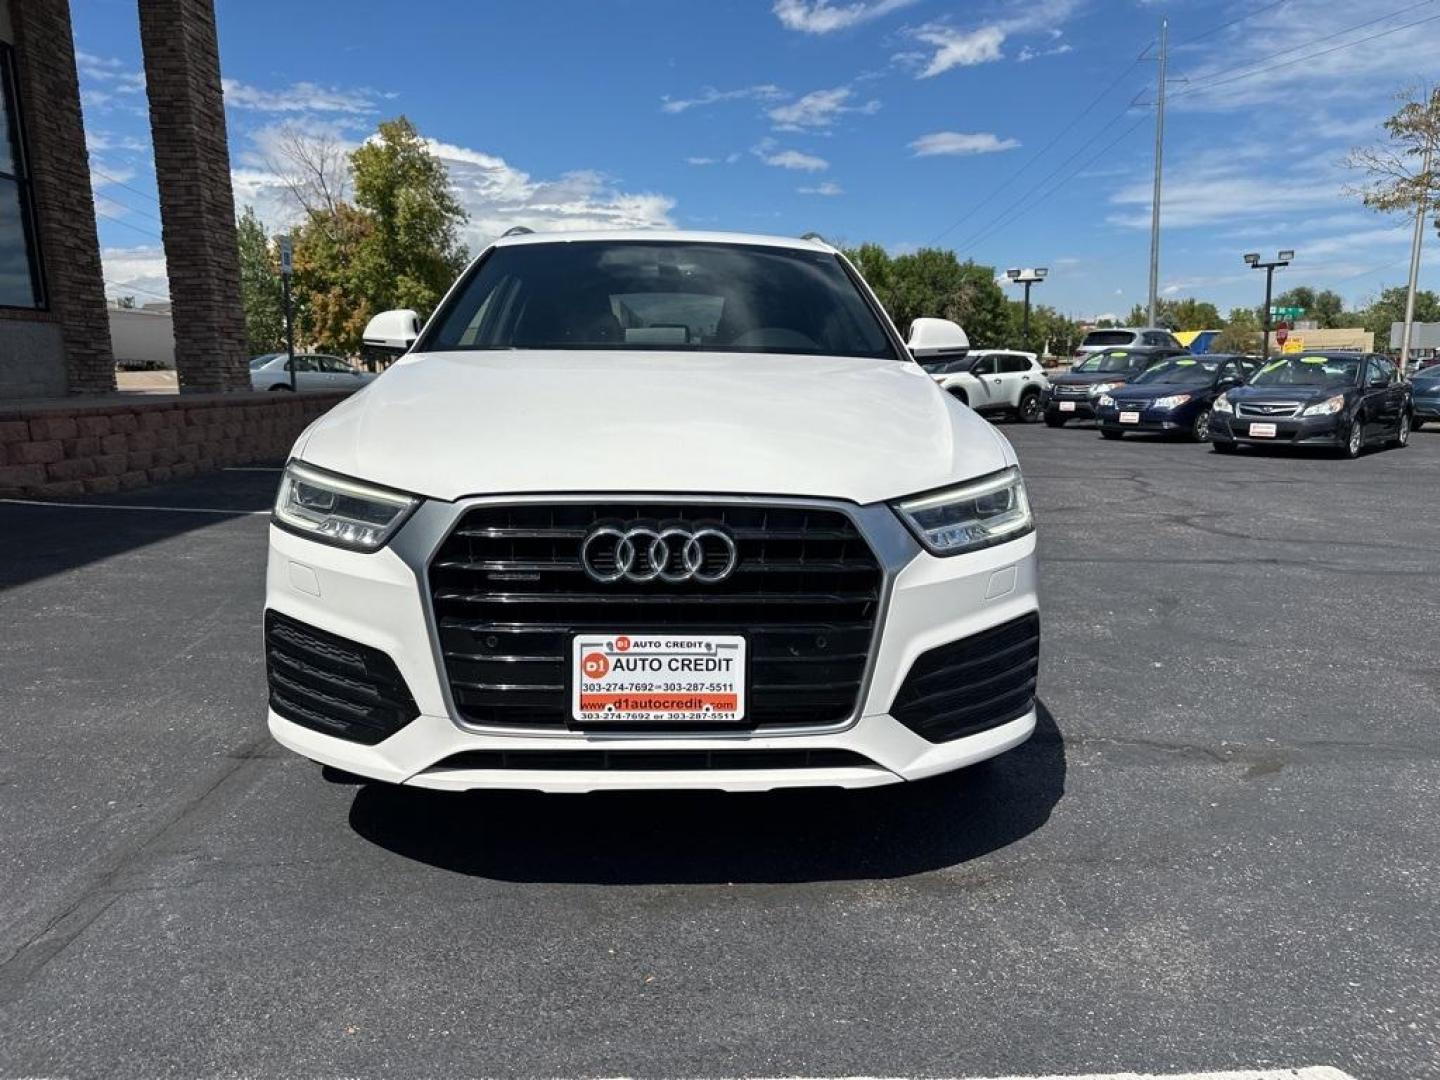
column 20, row 282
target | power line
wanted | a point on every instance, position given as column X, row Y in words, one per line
column 120, row 183
column 118, row 221
column 1264, row 68
column 136, row 288
column 1025, row 208
column 1233, row 22
column 1060, row 134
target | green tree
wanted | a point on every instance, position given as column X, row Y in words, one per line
column 259, row 286
column 1389, row 307
column 395, row 246
column 1181, row 314
column 933, row 282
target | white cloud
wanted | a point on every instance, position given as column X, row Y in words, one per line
column 828, row 187
column 1027, row 53
column 1208, row 194
column 702, row 161
column 959, row 142
column 117, row 76
column 301, row 97
column 135, row 271
column 711, row 96
column 827, row 16
column 819, row 109
column 952, row 47
column 790, row 159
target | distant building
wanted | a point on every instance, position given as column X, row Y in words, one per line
column 143, row 338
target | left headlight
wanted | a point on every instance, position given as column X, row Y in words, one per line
column 1173, row 401
column 337, row 510
column 967, row 517
column 1328, row 407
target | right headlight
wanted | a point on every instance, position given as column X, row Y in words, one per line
column 977, row 514
column 337, row 510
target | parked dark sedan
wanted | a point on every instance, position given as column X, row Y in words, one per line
column 1173, row 397
column 1073, row 394
column 1343, row 399
column 1425, row 396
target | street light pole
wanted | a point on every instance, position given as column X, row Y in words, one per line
column 1026, row 277
column 1415, row 263
column 1159, row 172
column 1252, row 260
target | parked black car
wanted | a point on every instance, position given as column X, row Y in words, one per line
column 1173, row 397
column 1073, row 394
column 1425, row 396
column 1343, row 399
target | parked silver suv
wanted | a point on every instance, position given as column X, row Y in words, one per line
column 1127, row 337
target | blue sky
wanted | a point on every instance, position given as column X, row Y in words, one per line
column 1002, row 129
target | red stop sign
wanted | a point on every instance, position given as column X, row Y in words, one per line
column 1282, row 332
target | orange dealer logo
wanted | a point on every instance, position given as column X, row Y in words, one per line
column 595, row 666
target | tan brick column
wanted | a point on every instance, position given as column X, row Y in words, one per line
column 197, row 206
column 64, row 203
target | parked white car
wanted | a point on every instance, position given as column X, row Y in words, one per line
column 313, row 371
column 652, row 510
column 994, row 380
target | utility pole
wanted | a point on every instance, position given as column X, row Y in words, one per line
column 1159, row 156
column 1415, row 262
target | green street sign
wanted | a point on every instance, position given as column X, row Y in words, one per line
column 1287, row 312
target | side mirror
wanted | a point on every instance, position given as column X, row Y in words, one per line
column 937, row 337
column 390, row 334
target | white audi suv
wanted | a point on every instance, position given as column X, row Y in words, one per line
column 652, row 510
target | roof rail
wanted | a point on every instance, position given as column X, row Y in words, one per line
column 814, row 236
column 517, row 230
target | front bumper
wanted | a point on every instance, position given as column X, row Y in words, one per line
column 1332, row 430
column 380, row 601
column 1071, row 408
column 1165, row 421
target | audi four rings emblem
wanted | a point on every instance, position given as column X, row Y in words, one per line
column 671, row 553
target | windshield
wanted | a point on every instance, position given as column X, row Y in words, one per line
column 1109, row 361
column 1308, row 371
column 1182, row 372
column 1108, row 337
column 676, row 297
column 945, row 365
column 260, row 361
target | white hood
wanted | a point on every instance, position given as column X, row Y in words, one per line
column 448, row 425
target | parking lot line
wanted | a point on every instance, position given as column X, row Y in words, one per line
column 135, row 506
column 1315, row 1072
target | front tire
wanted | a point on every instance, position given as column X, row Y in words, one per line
column 1402, row 437
column 1054, row 420
column 1355, row 442
column 1416, row 424
column 1028, row 410
column 1200, row 428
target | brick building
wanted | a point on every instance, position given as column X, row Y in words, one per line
column 54, row 331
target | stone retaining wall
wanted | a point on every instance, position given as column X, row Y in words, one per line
column 98, row 447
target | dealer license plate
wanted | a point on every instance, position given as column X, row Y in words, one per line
column 1262, row 431
column 1067, row 406
column 1129, row 418
column 658, row 678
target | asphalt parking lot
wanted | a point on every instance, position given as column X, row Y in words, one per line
column 1220, row 851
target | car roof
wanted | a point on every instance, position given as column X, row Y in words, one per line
column 665, row 236
column 1007, row 352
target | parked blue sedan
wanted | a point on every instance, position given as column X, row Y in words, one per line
column 1174, row 397
column 1425, row 386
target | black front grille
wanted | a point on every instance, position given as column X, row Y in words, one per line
column 332, row 684
column 972, row 684
column 653, row 760
column 1267, row 410
column 509, row 594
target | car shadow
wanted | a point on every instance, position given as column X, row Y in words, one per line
column 632, row 838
